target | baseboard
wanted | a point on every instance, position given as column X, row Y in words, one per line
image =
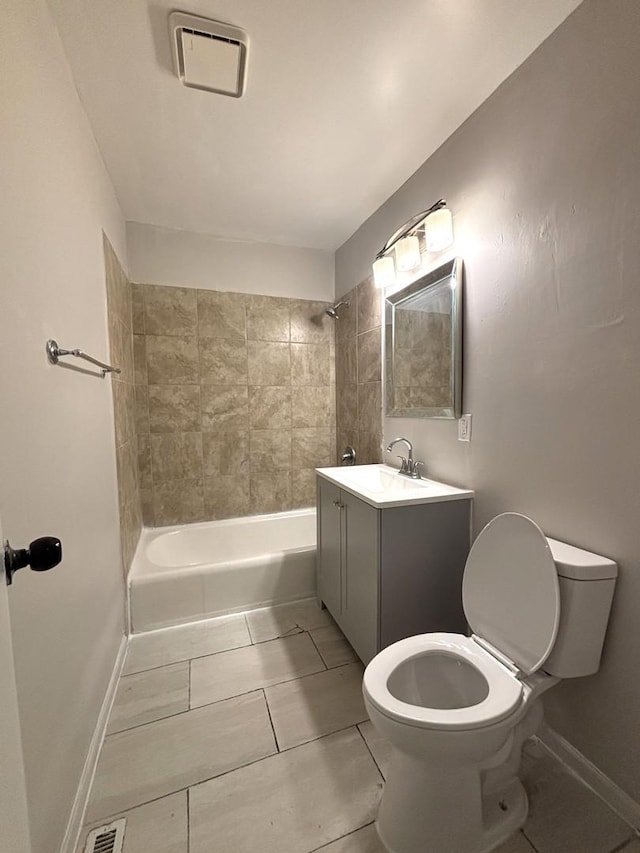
column 602, row 786
column 76, row 818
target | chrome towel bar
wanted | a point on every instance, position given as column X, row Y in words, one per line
column 55, row 352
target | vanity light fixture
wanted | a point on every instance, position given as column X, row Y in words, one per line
column 436, row 223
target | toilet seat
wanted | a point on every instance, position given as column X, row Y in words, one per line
column 504, row 694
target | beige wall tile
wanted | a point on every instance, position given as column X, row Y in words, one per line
column 269, row 363
column 370, row 447
column 142, row 408
column 347, row 407
column 312, row 447
column 221, row 315
column 268, row 318
column 145, row 478
column 222, row 361
column 169, row 310
column 346, row 325
column 140, row 359
column 369, row 299
column 313, row 406
column 174, row 408
column 270, row 450
column 270, row 492
column 310, row 364
column 270, row 408
column 172, row 360
column 176, row 456
column 127, row 468
column 309, row 322
column 224, row 406
column 123, row 410
column 137, row 309
column 369, row 352
column 178, row 502
column 346, row 363
column 303, row 488
column 146, row 506
column 226, row 496
column 226, row 452
column 369, row 407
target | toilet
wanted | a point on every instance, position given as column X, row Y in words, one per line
column 458, row 709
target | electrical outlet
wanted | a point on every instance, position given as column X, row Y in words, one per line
column 464, row 428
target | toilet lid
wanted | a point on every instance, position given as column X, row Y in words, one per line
column 510, row 590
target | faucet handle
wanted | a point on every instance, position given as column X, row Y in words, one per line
column 403, row 464
column 417, row 473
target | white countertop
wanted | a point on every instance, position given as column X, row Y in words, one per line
column 382, row 486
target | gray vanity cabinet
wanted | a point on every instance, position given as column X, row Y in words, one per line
column 385, row 574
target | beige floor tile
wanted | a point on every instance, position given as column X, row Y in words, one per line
column 181, row 642
column 317, row 705
column 165, row 756
column 564, row 816
column 632, row 847
column 363, row 840
column 290, row 803
column 379, row 746
column 150, row 695
column 251, row 668
column 283, row 619
column 160, row 827
column 333, row 646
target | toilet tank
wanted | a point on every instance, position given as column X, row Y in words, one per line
column 586, row 583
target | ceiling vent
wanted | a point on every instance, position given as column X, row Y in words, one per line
column 209, row 55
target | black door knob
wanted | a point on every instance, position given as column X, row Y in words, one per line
column 42, row 554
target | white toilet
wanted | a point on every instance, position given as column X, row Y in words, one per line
column 457, row 709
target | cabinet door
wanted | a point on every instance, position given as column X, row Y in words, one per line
column 329, row 561
column 360, row 577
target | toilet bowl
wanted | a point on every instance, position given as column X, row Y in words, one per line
column 457, row 709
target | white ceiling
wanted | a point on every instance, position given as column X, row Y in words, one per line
column 345, row 99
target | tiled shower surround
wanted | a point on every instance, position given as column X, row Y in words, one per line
column 358, row 373
column 235, row 402
column 119, row 308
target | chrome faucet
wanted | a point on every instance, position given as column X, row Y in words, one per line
column 407, row 466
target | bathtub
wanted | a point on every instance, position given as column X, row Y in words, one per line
column 194, row 571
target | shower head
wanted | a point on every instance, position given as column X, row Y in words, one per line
column 334, row 311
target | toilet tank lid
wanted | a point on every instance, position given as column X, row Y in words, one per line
column 576, row 564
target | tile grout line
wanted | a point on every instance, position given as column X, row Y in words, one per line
column 529, row 841
column 188, row 820
column 318, row 651
column 621, row 847
column 273, row 728
column 341, row 837
column 369, row 750
column 228, row 698
column 113, row 815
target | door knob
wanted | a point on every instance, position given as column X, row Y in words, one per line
column 42, row 554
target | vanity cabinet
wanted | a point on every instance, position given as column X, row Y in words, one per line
column 388, row 573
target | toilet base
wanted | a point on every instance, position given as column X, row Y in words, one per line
column 445, row 812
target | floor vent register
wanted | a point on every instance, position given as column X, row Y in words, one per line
column 106, row 839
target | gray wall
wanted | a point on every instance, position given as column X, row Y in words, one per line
column 57, row 460
column 544, row 184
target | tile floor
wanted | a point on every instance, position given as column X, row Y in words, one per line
column 248, row 733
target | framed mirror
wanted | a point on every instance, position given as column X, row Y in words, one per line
column 423, row 346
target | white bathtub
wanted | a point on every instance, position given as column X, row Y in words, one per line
column 195, row 571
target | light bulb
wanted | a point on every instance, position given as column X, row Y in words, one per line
column 438, row 230
column 384, row 274
column 408, row 253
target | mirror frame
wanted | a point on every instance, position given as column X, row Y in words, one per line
column 453, row 271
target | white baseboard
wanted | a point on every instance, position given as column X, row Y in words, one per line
column 602, row 786
column 76, row 818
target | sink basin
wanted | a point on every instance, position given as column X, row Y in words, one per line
column 374, row 478
column 382, row 486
